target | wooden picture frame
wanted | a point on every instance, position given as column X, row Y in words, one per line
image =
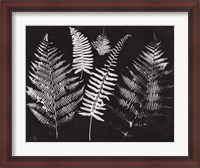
column 9, row 6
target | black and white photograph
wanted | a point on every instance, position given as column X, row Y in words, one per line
column 99, row 83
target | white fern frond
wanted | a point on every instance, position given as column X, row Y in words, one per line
column 82, row 53
column 113, row 56
column 100, row 87
column 54, row 105
column 102, row 44
column 150, row 63
column 102, row 82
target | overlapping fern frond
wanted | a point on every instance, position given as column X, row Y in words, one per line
column 150, row 63
column 143, row 93
column 127, row 107
column 56, row 95
column 82, row 53
column 152, row 66
column 100, row 86
column 102, row 44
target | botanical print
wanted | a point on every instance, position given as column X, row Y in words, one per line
column 99, row 83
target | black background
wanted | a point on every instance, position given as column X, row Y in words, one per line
column 77, row 129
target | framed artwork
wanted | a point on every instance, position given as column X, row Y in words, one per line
column 99, row 84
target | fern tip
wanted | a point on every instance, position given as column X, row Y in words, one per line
column 46, row 37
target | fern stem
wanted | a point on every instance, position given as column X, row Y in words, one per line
column 81, row 74
column 95, row 102
column 56, row 132
column 90, row 128
column 54, row 97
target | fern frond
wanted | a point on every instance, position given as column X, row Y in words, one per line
column 129, row 95
column 150, row 63
column 83, row 57
column 127, row 104
column 41, row 118
column 39, row 108
column 69, row 108
column 136, row 78
column 54, row 105
column 100, row 87
column 39, row 95
column 132, row 85
column 67, row 118
column 142, row 98
column 69, row 98
column 125, row 117
column 40, row 85
column 102, row 44
column 102, row 82
column 58, row 65
column 113, row 56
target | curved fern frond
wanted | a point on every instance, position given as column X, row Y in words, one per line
column 83, row 57
column 56, row 95
column 100, row 87
column 113, row 56
column 102, row 44
column 102, row 82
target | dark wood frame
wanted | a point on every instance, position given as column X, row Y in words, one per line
column 9, row 6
